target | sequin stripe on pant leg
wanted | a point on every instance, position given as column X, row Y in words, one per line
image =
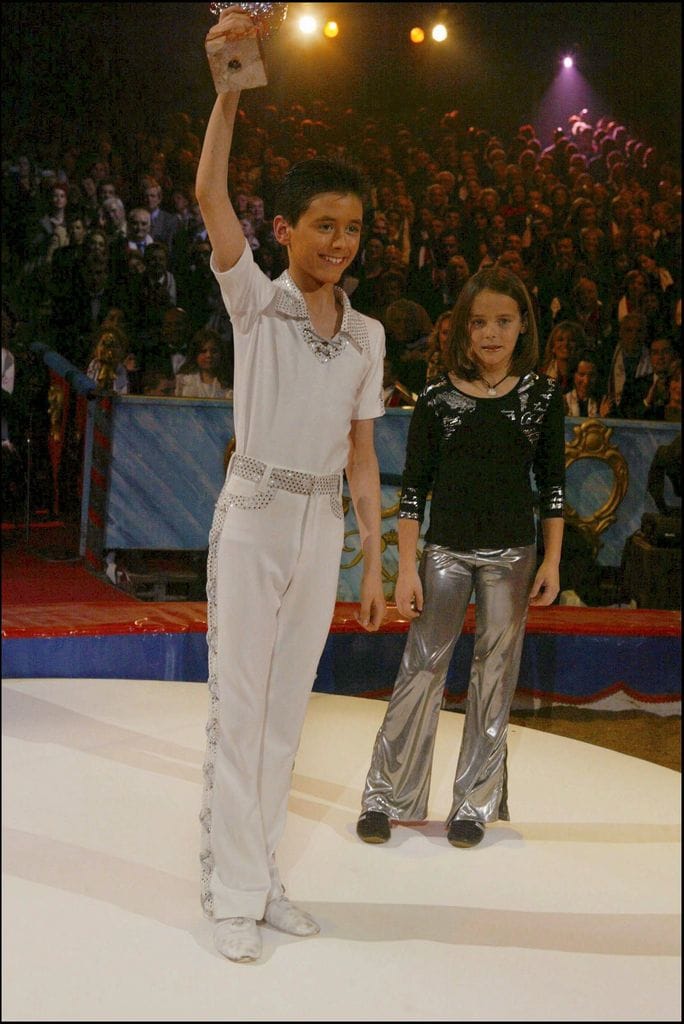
column 206, row 855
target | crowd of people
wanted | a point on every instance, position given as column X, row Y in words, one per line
column 105, row 251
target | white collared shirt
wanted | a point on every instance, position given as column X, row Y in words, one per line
column 295, row 395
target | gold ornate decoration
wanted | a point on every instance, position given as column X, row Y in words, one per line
column 592, row 441
column 55, row 400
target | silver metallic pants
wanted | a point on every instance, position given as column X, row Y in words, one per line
column 398, row 781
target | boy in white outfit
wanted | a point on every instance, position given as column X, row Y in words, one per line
column 308, row 386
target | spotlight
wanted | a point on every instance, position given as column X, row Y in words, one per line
column 568, row 62
column 307, row 25
column 416, row 35
column 331, row 29
column 439, row 33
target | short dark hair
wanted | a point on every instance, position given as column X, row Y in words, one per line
column 493, row 279
column 310, row 178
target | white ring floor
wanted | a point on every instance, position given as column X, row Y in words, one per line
column 570, row 912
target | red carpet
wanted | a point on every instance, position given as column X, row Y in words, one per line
column 37, row 575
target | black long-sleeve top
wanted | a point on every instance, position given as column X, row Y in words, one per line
column 476, row 456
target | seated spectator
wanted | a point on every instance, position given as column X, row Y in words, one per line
column 635, row 284
column 365, row 283
column 106, row 365
column 139, row 224
column 584, row 398
column 408, row 327
column 589, row 312
column 171, row 351
column 565, row 340
column 163, row 225
column 673, row 407
column 438, row 346
column 207, row 372
column 630, row 369
column 662, row 358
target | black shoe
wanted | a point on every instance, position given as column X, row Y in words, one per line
column 465, row 832
column 373, row 827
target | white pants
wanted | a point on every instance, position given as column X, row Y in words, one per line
column 271, row 587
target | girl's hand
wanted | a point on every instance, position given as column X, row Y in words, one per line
column 546, row 585
column 408, row 595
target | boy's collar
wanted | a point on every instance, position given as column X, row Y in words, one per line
column 291, row 302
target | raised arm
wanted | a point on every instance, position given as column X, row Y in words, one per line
column 211, row 187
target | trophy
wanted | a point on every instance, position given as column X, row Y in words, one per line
column 237, row 62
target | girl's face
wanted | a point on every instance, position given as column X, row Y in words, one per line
column 495, row 323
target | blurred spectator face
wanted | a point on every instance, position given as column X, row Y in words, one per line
column 393, row 257
column 642, row 238
column 77, row 231
column 59, row 198
column 636, row 285
column 136, row 264
column 89, row 187
column 153, row 197
column 584, row 379
column 563, row 344
column 180, row 201
column 374, row 251
column 255, row 207
column 661, row 355
column 630, row 334
column 565, row 252
column 115, row 212
column 139, row 222
column 95, row 242
column 586, row 293
column 208, row 357
column 512, row 260
column 106, row 190
column 174, row 329
column 155, row 261
column 514, row 242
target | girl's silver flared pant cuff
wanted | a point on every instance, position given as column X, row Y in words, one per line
column 398, row 781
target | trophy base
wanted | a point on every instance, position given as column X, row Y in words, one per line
column 236, row 64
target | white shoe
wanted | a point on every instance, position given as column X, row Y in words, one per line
column 238, row 939
column 286, row 917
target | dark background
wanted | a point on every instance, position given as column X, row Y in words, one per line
column 125, row 67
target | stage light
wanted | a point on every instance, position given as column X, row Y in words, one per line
column 439, row 33
column 416, row 35
column 307, row 25
column 568, row 62
column 331, row 29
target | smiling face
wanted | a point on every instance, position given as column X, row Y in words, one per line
column 494, row 324
column 325, row 239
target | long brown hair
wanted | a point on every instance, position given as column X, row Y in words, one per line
column 493, row 279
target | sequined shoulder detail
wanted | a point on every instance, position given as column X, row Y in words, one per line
column 291, row 302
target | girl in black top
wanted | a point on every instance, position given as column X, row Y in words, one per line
column 477, row 434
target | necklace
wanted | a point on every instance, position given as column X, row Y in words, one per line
column 491, row 388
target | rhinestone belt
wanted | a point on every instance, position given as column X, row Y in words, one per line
column 286, row 479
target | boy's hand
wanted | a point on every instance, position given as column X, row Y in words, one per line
column 373, row 605
column 233, row 24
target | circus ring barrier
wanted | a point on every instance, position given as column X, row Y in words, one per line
column 152, row 471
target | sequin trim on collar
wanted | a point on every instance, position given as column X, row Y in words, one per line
column 291, row 302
